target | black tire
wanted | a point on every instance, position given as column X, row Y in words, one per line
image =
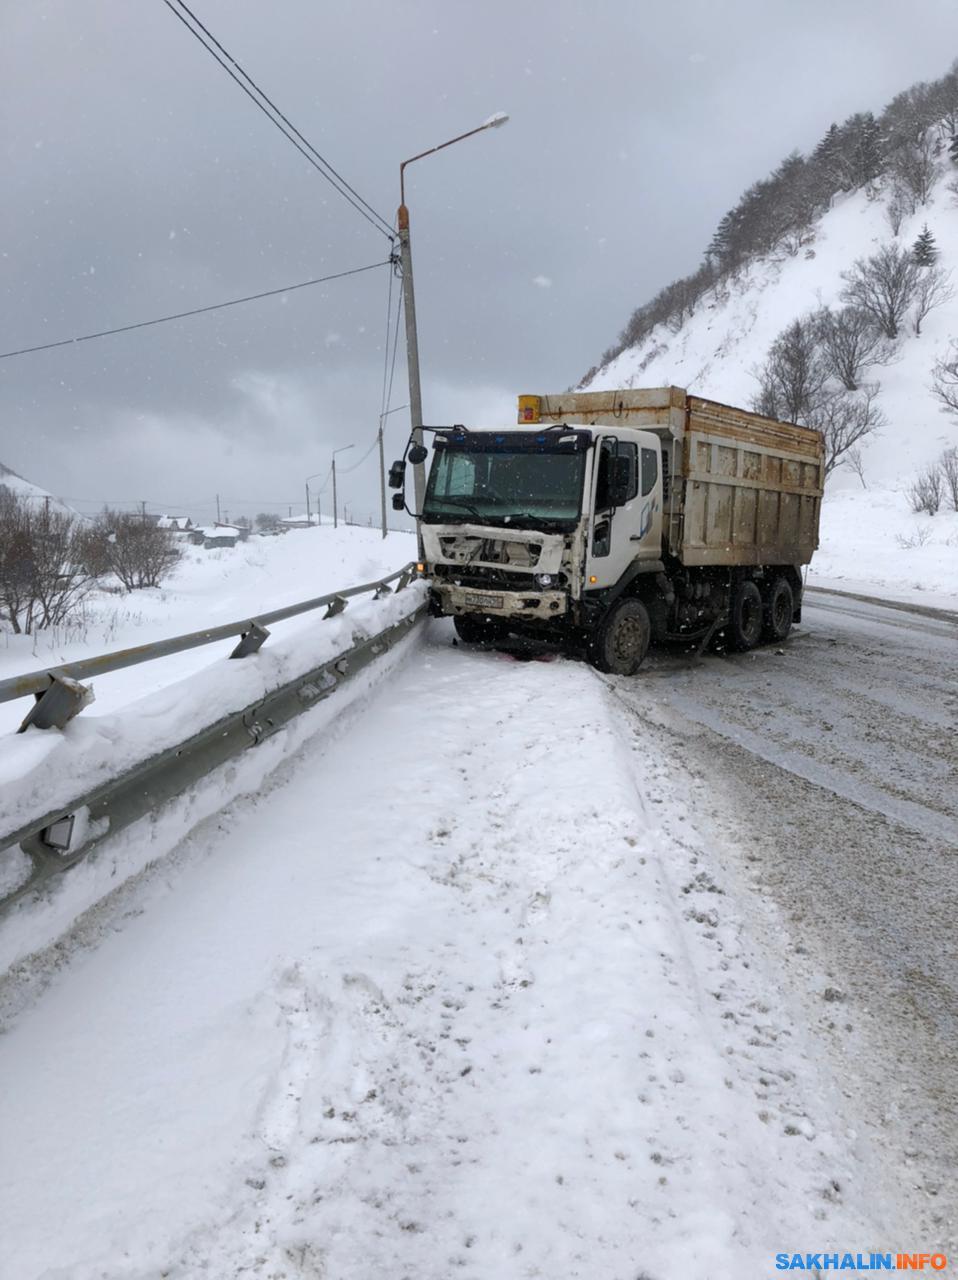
column 779, row 608
column 622, row 639
column 746, row 618
column 473, row 630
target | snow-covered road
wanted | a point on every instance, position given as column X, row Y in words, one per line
column 464, row 992
column 834, row 764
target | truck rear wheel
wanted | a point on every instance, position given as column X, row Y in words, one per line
column 473, row 630
column 746, row 618
column 778, row 611
column 622, row 639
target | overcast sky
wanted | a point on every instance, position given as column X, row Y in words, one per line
column 138, row 180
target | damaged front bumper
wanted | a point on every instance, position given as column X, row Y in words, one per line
column 530, row 606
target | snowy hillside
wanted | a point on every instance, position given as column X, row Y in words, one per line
column 31, row 492
column 718, row 351
column 870, row 537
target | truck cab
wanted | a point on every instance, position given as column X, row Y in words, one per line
column 538, row 529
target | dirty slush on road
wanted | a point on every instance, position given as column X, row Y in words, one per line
column 836, row 801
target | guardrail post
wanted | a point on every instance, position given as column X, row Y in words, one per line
column 251, row 641
column 57, row 704
column 336, row 605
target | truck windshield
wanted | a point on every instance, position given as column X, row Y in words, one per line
column 501, row 485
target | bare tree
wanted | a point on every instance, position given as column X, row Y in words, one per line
column 949, row 471
column 267, row 520
column 844, row 420
column 944, row 380
column 899, row 206
column 916, row 168
column 43, row 576
column 139, row 553
column 883, row 286
column 926, row 492
column 856, row 461
column 851, row 342
column 933, row 288
column 794, row 376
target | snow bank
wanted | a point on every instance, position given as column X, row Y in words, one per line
column 46, row 769
column 875, row 544
column 468, row 996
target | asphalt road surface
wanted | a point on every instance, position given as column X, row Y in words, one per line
column 830, row 764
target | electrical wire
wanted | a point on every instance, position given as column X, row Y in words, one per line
column 196, row 311
column 345, row 471
column 271, row 111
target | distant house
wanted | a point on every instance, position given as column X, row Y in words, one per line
column 218, row 535
column 180, row 524
column 299, row 522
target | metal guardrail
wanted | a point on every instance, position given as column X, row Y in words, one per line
column 60, row 697
column 48, row 838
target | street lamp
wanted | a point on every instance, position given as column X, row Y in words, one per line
column 319, row 519
column 335, row 451
column 409, row 301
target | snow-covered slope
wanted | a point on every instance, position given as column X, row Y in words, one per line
column 26, row 489
column 719, row 349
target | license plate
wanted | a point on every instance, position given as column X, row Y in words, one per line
column 487, row 602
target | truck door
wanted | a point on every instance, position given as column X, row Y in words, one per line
column 627, row 525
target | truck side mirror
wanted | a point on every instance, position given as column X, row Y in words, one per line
column 397, row 474
column 399, row 502
column 418, row 453
column 620, row 476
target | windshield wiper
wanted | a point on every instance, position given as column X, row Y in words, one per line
column 526, row 517
column 458, row 502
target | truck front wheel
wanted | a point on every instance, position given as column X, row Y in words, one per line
column 622, row 639
column 473, row 630
column 746, row 617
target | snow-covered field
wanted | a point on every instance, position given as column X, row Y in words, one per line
column 207, row 588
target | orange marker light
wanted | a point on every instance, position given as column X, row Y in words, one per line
column 593, row 579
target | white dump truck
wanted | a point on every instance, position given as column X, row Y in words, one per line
column 616, row 518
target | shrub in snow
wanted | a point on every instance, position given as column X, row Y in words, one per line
column 949, row 474
column 944, row 385
column 138, row 552
column 926, row 492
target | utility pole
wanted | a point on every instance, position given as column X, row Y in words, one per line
column 335, row 451
column 409, row 302
column 412, row 344
column 217, row 508
column 308, row 518
column 382, row 473
column 143, row 512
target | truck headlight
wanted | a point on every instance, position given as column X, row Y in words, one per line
column 543, row 579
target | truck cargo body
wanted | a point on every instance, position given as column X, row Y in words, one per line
column 633, row 514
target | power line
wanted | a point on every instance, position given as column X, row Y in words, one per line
column 271, row 111
column 345, row 471
column 196, row 311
